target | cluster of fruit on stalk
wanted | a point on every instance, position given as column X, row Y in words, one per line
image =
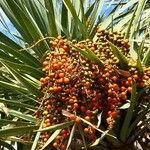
column 83, row 88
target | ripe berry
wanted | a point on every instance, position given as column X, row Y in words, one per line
column 72, row 117
column 78, row 120
column 61, row 75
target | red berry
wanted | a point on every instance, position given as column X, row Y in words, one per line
column 72, row 117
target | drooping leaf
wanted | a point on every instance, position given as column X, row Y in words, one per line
column 125, row 106
column 129, row 114
column 56, row 127
column 71, row 136
column 146, row 59
column 90, row 55
column 36, row 139
column 17, row 131
column 122, row 59
column 22, row 115
column 139, row 66
column 24, row 68
column 51, row 17
column 13, row 86
column 6, row 145
column 4, row 122
column 97, row 141
column 21, row 54
column 94, row 15
column 82, row 135
column 27, row 84
column 139, row 118
column 52, row 137
column 127, row 33
column 16, row 103
column 99, row 117
column 76, row 18
column 136, row 22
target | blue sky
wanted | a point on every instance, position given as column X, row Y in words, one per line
column 7, row 27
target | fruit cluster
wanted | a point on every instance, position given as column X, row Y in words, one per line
column 83, row 88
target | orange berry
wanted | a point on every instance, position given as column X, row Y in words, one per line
column 42, row 80
column 78, row 120
column 115, row 87
column 47, row 78
column 87, row 118
column 61, row 75
column 44, row 125
column 129, row 79
column 114, row 114
column 45, row 63
column 45, row 112
column 60, row 63
column 45, row 139
column 130, row 89
column 123, row 89
column 60, row 80
column 72, row 117
column 89, row 113
column 66, row 48
column 76, row 105
column 66, row 80
column 123, row 96
column 135, row 76
column 86, row 130
column 55, row 144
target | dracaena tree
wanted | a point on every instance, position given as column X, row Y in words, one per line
column 77, row 77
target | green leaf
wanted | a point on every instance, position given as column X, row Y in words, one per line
column 97, row 141
column 125, row 106
column 52, row 137
column 8, row 41
column 36, row 139
column 105, row 24
column 90, row 55
column 5, row 56
column 99, row 117
column 141, row 48
column 22, row 116
column 134, row 27
column 71, row 136
column 13, row 87
column 16, row 103
column 82, row 135
column 21, row 55
column 129, row 114
column 146, row 59
column 5, row 122
column 75, row 16
column 139, row 66
column 139, row 118
column 26, row 20
column 15, row 131
column 51, row 17
column 27, row 84
column 94, row 15
column 122, row 59
column 127, row 33
column 56, row 127
column 6, row 145
column 24, row 68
